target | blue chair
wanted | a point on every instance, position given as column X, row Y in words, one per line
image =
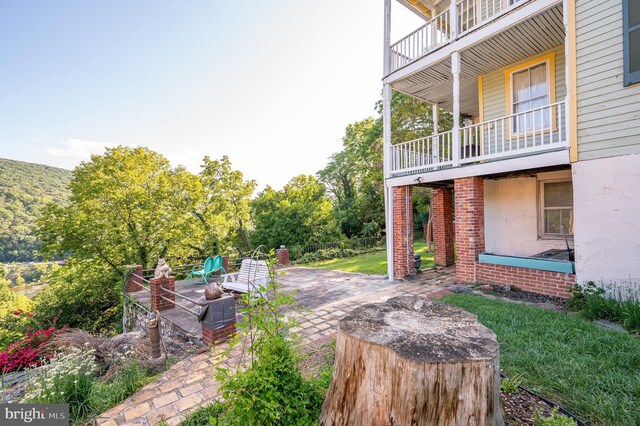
column 210, row 267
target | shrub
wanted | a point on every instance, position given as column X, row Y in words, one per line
column 590, row 301
column 83, row 294
column 15, row 321
column 554, row 419
column 271, row 389
column 27, row 352
column 67, row 379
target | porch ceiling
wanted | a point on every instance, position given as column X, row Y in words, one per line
column 534, row 36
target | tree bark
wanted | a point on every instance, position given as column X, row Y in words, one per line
column 409, row 361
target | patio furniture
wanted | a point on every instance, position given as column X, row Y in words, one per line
column 253, row 274
column 210, row 267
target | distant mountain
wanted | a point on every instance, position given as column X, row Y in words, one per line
column 24, row 189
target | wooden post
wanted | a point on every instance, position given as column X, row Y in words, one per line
column 409, row 361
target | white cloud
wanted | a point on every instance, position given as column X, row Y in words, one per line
column 78, row 149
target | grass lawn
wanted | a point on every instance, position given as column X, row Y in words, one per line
column 591, row 371
column 371, row 263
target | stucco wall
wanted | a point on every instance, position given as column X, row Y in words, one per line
column 606, row 194
column 511, row 215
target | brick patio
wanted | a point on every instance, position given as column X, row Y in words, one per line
column 327, row 296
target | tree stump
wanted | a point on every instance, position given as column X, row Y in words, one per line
column 409, row 361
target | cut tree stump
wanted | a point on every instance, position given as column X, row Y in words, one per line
column 409, row 361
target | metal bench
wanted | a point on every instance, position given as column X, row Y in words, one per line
column 253, row 274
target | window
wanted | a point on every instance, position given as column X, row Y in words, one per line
column 631, row 41
column 530, row 87
column 556, row 209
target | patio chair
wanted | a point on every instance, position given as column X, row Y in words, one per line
column 210, row 267
column 253, row 274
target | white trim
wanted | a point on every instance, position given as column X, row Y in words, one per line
column 539, row 160
column 541, row 209
column 515, row 16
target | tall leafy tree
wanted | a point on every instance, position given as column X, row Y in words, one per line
column 354, row 176
column 299, row 214
column 128, row 206
column 225, row 211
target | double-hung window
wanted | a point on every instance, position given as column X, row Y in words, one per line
column 530, row 88
column 556, row 209
column 631, row 41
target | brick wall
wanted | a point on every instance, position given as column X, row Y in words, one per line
column 157, row 303
column 442, row 217
column 544, row 282
column 131, row 285
column 213, row 337
column 402, row 232
column 469, row 232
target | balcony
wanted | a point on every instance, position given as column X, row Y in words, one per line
column 520, row 135
column 439, row 31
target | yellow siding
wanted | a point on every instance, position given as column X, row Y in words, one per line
column 494, row 96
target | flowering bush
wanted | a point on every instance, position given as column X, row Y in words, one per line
column 66, row 379
column 15, row 319
column 26, row 352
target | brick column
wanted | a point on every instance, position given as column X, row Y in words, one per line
column 214, row 337
column 402, row 232
column 131, row 286
column 282, row 255
column 219, row 323
column 157, row 303
column 469, row 197
column 225, row 263
column 443, row 235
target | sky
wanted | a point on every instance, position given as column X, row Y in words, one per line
column 272, row 84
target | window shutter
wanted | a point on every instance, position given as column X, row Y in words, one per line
column 631, row 37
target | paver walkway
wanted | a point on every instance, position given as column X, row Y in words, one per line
column 328, row 296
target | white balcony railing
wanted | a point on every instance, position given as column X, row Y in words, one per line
column 526, row 133
column 431, row 35
column 437, row 32
column 422, row 154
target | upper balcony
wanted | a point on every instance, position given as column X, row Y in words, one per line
column 493, row 16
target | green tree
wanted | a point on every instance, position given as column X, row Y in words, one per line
column 299, row 214
column 128, row 206
column 225, row 211
column 354, row 176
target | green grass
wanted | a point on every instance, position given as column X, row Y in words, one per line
column 591, row 371
column 371, row 263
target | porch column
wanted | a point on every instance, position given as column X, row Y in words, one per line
column 388, row 194
column 469, row 199
column 443, row 235
column 402, row 231
column 455, row 136
column 436, row 140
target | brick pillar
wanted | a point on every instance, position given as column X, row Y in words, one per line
column 214, row 337
column 443, row 235
column 469, row 197
column 219, row 323
column 131, row 285
column 282, row 255
column 157, row 303
column 402, row 232
column 225, row 263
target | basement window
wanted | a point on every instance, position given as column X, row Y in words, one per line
column 556, row 209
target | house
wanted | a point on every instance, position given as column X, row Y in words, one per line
column 545, row 146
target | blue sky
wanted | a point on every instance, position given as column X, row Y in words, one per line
column 271, row 84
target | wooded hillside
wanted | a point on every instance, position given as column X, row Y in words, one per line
column 24, row 189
